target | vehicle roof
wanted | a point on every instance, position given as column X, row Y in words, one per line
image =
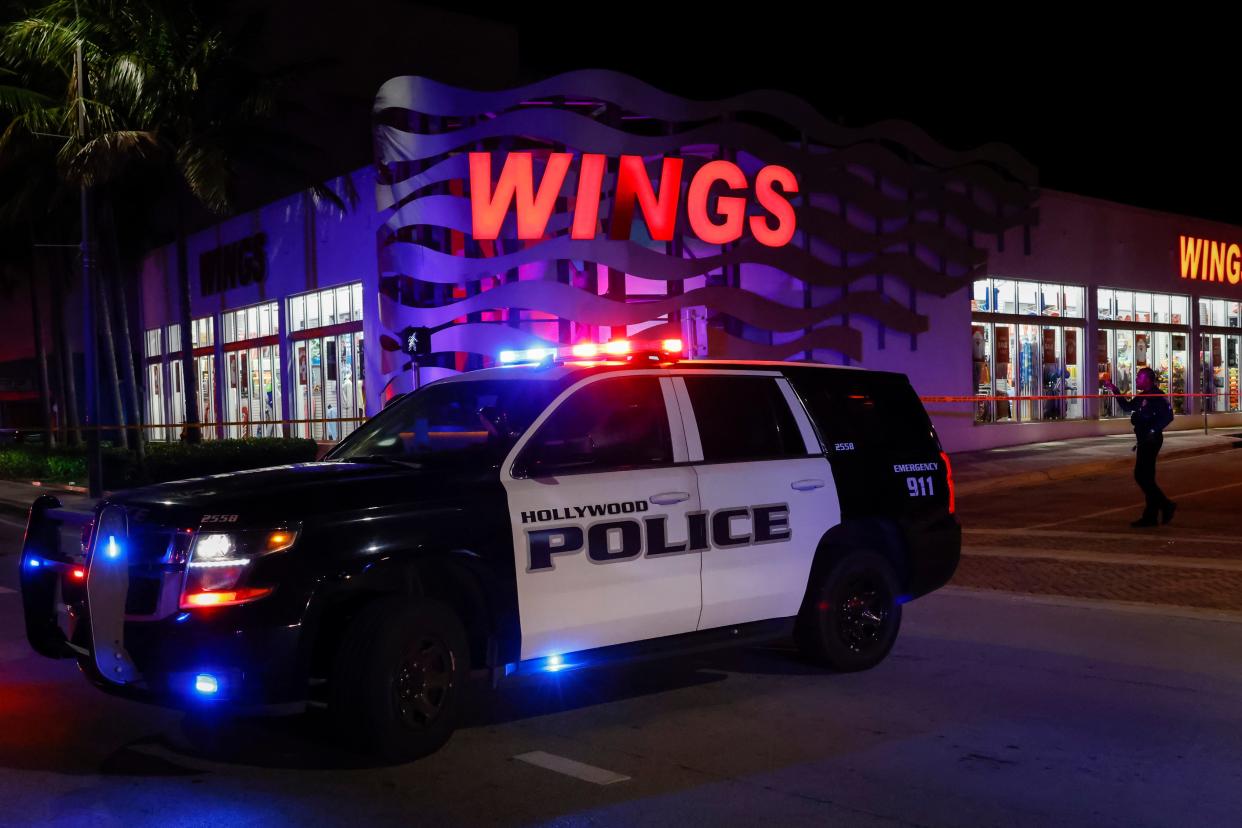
column 573, row 370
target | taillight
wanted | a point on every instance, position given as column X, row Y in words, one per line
column 948, row 475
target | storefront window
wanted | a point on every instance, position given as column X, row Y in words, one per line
column 328, row 393
column 1218, row 313
column 1219, row 352
column 1127, row 342
column 1004, row 294
column 1073, row 302
column 1122, row 352
column 1160, row 309
column 1050, row 300
column 202, row 336
column 1012, row 359
column 1179, row 310
column 1028, row 293
column 1218, row 360
column 153, row 351
column 1125, row 306
column 154, row 343
column 252, row 372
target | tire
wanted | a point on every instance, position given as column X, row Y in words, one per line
column 399, row 677
column 851, row 616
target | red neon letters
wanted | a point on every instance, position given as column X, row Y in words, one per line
column 720, row 223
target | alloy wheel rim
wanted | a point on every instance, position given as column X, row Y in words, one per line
column 863, row 613
column 423, row 682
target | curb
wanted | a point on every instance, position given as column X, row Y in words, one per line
column 1076, row 470
column 21, row 507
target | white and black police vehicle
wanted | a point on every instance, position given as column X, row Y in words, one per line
column 529, row 518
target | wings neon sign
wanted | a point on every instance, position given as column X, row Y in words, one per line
column 1210, row 261
column 720, row 220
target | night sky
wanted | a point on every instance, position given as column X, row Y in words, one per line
column 1148, row 118
column 1138, row 113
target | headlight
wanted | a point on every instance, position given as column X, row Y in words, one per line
column 220, row 563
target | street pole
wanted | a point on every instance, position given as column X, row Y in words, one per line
column 94, row 465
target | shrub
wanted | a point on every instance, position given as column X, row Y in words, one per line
column 164, row 461
column 177, row 461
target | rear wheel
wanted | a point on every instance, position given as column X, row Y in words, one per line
column 850, row 619
column 398, row 678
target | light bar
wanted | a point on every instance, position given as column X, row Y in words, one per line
column 618, row 347
column 528, row 355
column 661, row 350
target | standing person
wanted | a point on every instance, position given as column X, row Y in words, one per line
column 1150, row 413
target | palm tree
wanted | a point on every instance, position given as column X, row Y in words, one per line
column 167, row 88
column 36, row 201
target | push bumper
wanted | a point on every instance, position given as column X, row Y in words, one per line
column 248, row 658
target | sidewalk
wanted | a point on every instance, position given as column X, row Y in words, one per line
column 1016, row 466
column 16, row 497
column 973, row 471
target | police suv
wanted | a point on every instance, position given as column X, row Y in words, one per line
column 526, row 518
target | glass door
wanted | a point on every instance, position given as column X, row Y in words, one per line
column 205, row 366
column 155, row 401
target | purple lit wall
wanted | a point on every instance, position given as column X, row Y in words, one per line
column 888, row 228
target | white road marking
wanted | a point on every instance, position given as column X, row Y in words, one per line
column 1129, row 536
column 1171, row 561
column 559, row 764
column 1129, row 507
column 13, row 523
column 6, row 590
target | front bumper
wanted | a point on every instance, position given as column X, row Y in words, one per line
column 253, row 654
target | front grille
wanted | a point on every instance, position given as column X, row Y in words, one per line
column 144, row 594
column 148, row 545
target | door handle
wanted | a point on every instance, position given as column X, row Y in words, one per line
column 807, row 485
column 669, row 498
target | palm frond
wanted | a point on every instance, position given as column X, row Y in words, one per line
column 102, row 158
column 207, row 171
column 16, row 100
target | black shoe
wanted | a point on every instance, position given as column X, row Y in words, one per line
column 1144, row 522
column 1166, row 514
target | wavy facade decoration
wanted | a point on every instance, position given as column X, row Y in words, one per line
column 886, row 217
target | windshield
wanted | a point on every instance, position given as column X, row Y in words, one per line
column 472, row 421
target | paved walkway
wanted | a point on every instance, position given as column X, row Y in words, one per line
column 16, row 497
column 1036, row 463
column 974, row 471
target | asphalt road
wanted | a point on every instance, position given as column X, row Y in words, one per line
column 992, row 710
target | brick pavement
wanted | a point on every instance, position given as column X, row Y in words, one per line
column 1217, row 589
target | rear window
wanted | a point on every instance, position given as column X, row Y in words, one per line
column 870, row 411
column 743, row 418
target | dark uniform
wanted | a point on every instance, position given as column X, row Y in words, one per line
column 1149, row 414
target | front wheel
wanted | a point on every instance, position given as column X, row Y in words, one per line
column 851, row 615
column 399, row 677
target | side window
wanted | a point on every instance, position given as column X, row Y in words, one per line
column 743, row 418
column 870, row 413
column 611, row 424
